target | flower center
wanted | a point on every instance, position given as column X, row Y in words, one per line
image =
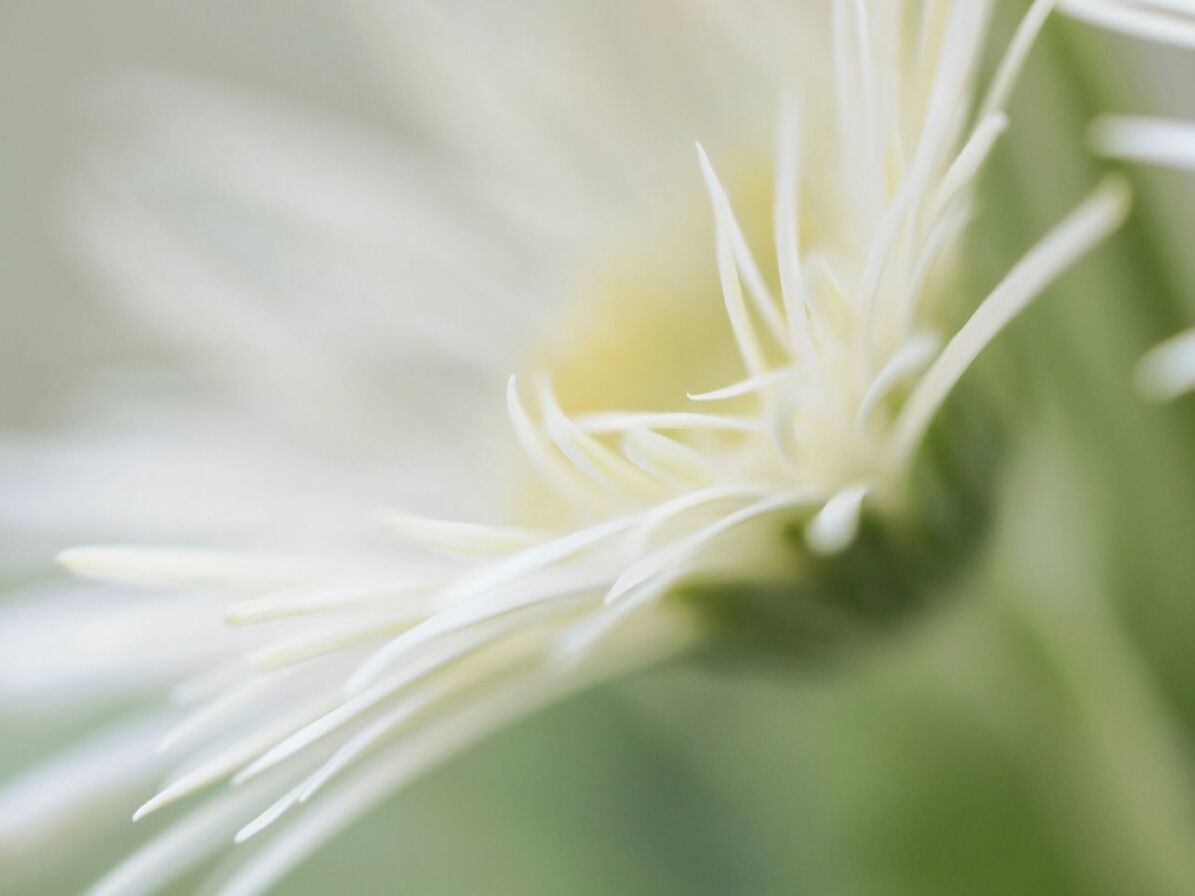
column 646, row 325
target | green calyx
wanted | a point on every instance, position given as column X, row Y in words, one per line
column 888, row 577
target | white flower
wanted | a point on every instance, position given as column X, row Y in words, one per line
column 360, row 670
column 1168, row 370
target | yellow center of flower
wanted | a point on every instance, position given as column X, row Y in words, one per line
column 646, row 325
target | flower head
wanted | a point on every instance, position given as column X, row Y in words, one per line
column 364, row 673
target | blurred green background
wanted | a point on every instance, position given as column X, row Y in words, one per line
column 1035, row 736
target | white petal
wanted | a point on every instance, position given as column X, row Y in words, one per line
column 39, row 806
column 1168, row 370
column 1154, row 140
column 1083, row 228
column 835, row 525
column 1170, row 22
